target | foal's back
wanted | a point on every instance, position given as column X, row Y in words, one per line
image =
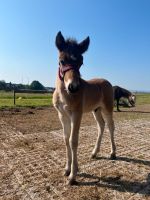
column 97, row 93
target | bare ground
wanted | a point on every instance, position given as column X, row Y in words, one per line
column 32, row 157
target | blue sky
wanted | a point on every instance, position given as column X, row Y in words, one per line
column 119, row 31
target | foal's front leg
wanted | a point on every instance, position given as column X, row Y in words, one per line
column 75, row 125
column 66, row 124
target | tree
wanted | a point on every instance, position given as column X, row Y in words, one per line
column 36, row 85
column 2, row 85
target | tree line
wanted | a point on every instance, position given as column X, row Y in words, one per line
column 35, row 85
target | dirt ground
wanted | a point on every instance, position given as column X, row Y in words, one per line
column 32, row 157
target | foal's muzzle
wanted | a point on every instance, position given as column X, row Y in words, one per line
column 73, row 88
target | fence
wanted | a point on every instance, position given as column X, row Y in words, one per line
column 30, row 91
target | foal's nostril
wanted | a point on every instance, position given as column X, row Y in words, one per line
column 73, row 88
column 70, row 87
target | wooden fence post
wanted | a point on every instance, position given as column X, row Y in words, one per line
column 14, row 97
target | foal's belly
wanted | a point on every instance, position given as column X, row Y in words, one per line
column 91, row 107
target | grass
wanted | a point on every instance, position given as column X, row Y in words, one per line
column 25, row 99
column 143, row 98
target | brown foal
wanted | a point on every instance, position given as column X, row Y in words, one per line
column 74, row 96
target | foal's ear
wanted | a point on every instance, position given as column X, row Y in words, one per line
column 83, row 46
column 60, row 41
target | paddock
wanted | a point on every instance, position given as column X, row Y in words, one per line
column 32, row 158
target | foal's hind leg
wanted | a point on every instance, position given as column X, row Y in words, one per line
column 111, row 127
column 66, row 124
column 100, row 125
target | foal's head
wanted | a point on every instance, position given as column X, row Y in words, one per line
column 70, row 61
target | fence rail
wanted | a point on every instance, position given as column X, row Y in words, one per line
column 30, row 91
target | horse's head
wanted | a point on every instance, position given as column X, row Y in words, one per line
column 132, row 99
column 70, row 61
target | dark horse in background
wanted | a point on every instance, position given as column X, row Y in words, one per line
column 121, row 92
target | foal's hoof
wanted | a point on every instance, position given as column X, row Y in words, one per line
column 93, row 156
column 67, row 173
column 113, row 157
column 72, row 182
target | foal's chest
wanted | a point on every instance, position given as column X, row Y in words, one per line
column 66, row 103
column 60, row 103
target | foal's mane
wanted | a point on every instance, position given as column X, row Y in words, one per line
column 71, row 43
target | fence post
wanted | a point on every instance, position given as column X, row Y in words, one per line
column 14, row 97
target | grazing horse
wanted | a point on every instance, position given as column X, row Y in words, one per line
column 121, row 92
column 74, row 96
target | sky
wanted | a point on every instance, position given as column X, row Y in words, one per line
column 119, row 32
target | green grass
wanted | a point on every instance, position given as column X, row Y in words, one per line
column 142, row 98
column 24, row 99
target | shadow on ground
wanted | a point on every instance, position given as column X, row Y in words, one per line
column 115, row 183
column 133, row 111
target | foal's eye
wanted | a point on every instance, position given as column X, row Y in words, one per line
column 73, row 57
column 62, row 62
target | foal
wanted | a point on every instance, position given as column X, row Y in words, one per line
column 73, row 96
